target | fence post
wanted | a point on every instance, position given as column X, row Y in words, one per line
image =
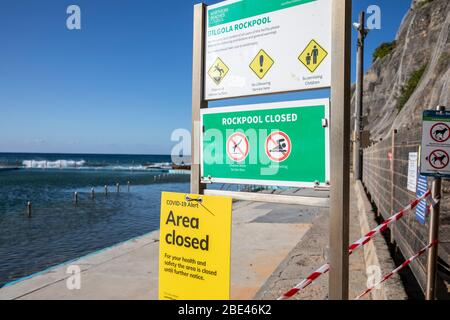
column 393, row 149
column 430, row 293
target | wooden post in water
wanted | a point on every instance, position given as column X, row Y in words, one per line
column 92, row 193
column 75, row 197
column 106, row 190
column 118, row 187
column 29, row 209
column 128, row 186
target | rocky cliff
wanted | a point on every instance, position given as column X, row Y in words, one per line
column 422, row 44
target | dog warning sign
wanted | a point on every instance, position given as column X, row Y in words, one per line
column 435, row 159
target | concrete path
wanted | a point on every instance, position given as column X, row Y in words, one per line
column 311, row 253
column 262, row 237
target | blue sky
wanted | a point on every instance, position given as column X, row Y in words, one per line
column 122, row 84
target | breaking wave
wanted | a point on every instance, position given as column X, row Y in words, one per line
column 43, row 164
column 82, row 164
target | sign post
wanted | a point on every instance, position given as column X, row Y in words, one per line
column 340, row 149
column 434, row 161
column 198, row 101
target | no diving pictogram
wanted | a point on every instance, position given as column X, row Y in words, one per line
column 438, row 159
column 237, row 147
column 278, row 146
column 440, row 132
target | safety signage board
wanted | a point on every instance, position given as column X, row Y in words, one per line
column 255, row 47
column 194, row 247
column 279, row 144
column 435, row 154
column 422, row 208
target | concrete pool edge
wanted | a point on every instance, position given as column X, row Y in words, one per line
column 66, row 263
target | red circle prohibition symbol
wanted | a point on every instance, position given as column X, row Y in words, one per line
column 237, row 147
column 281, row 146
column 434, row 157
column 440, row 132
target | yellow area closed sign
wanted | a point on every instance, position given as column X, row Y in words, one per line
column 195, row 247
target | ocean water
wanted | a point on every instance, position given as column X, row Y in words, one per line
column 60, row 230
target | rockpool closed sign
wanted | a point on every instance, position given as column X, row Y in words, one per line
column 259, row 47
column 281, row 144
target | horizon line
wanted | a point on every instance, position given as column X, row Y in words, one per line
column 89, row 153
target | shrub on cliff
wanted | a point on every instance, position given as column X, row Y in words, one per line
column 383, row 50
column 408, row 89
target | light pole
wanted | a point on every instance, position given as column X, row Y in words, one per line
column 357, row 151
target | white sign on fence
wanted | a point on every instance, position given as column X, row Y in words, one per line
column 258, row 47
column 412, row 171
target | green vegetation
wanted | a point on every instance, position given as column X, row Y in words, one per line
column 411, row 85
column 383, row 50
column 423, row 3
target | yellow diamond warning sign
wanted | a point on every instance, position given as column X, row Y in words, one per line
column 313, row 56
column 218, row 71
column 261, row 64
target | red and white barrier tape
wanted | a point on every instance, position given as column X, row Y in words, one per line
column 357, row 244
column 403, row 265
column 306, row 282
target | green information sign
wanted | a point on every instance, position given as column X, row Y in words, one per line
column 279, row 144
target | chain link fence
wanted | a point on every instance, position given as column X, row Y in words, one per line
column 385, row 177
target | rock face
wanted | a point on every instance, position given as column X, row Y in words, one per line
column 423, row 39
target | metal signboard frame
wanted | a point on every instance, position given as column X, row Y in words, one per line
column 341, row 21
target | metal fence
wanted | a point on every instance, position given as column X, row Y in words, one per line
column 385, row 176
